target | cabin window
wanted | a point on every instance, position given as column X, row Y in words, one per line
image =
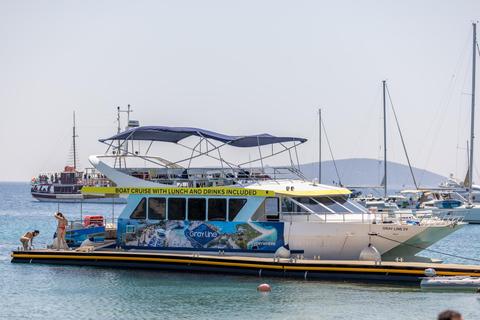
column 318, row 206
column 271, row 206
column 234, row 207
column 157, row 209
column 140, row 211
column 176, row 208
column 333, row 203
column 197, row 209
column 217, row 209
column 289, row 206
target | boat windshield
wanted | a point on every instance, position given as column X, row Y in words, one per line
column 320, row 204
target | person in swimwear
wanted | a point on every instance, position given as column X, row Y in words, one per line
column 28, row 236
column 62, row 223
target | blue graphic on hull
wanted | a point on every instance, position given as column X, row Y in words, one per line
column 202, row 235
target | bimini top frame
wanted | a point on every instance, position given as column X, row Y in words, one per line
column 177, row 134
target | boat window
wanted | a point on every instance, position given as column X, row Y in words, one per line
column 352, row 206
column 271, row 209
column 333, row 203
column 157, row 209
column 315, row 206
column 176, row 208
column 271, row 205
column 217, row 209
column 234, row 207
column 197, row 209
column 140, row 211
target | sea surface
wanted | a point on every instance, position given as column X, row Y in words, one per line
column 34, row 291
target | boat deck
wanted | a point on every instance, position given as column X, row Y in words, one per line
column 410, row 273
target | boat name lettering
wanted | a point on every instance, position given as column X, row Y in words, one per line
column 396, row 228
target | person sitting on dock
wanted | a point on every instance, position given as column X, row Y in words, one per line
column 28, row 236
column 450, row 315
column 62, row 223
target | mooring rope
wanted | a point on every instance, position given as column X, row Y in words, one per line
column 447, row 254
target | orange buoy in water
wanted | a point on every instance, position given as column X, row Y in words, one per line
column 264, row 287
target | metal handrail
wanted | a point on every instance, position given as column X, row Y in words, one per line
column 419, row 217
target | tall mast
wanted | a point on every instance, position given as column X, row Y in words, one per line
column 470, row 171
column 384, row 139
column 74, row 149
column 319, row 145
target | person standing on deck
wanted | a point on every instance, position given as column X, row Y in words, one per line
column 62, row 224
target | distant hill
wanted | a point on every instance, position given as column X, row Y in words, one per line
column 369, row 173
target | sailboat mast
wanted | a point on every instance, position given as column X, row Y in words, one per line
column 319, row 145
column 74, row 148
column 470, row 173
column 385, row 139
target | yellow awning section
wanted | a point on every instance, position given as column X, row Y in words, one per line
column 314, row 193
column 212, row 191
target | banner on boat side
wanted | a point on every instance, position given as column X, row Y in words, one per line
column 200, row 234
column 213, row 191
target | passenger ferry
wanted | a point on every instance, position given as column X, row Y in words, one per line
column 66, row 185
column 242, row 209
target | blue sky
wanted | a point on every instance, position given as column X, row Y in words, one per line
column 237, row 67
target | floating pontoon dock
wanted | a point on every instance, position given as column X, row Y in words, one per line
column 388, row 272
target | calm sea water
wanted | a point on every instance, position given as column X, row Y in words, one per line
column 30, row 291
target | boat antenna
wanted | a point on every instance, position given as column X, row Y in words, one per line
column 119, row 129
column 470, row 173
column 74, row 148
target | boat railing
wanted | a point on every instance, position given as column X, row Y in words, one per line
column 213, row 176
column 401, row 217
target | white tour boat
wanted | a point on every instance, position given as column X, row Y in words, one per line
column 246, row 209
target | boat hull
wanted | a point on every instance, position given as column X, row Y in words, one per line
column 312, row 240
column 50, row 197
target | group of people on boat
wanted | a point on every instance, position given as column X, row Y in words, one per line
column 61, row 232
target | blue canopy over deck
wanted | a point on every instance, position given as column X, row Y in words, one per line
column 176, row 134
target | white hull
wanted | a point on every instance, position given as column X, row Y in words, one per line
column 99, row 200
column 345, row 241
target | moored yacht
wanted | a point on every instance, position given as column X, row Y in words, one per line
column 246, row 209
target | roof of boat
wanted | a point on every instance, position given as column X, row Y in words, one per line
column 175, row 134
column 419, row 191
